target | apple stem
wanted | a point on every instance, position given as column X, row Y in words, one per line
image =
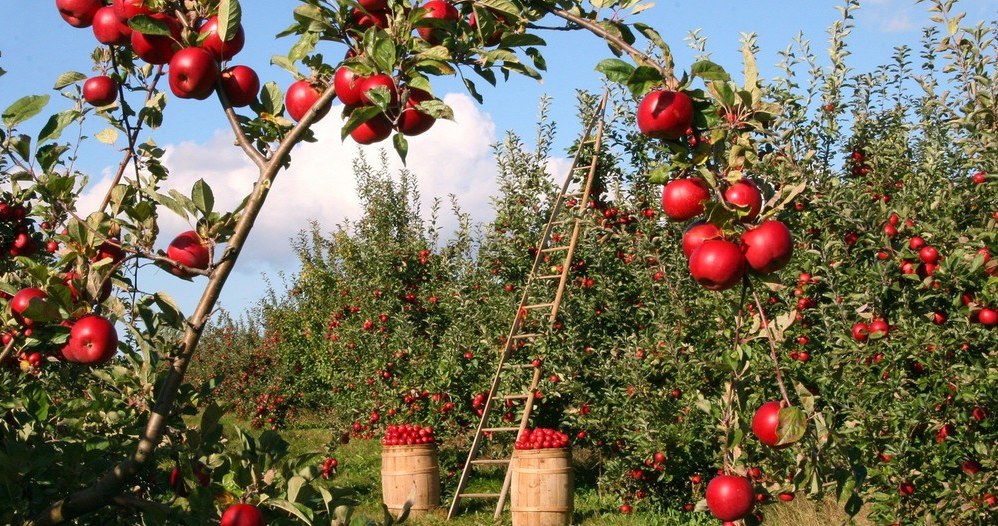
column 772, row 349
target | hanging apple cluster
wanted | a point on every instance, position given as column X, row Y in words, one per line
column 716, row 260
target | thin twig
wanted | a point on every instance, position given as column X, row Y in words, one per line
column 772, row 349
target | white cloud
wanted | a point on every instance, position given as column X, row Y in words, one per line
column 451, row 158
column 897, row 23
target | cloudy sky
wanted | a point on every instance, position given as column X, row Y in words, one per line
column 454, row 157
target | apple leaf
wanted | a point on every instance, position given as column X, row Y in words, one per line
column 286, row 64
column 504, row 6
column 271, row 99
column 202, row 196
column 107, row 136
column 49, row 154
column 56, row 123
column 67, row 78
column 148, row 25
column 298, row 510
column 23, row 109
column 793, row 424
column 229, row 19
column 616, row 70
column 401, row 146
column 521, row 39
column 357, row 117
column 168, row 307
column 708, row 70
column 383, row 53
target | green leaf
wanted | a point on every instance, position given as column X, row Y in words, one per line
column 297, row 510
column 286, row 64
column 202, row 196
column 793, row 425
column 401, row 146
column 384, row 54
column 229, row 19
column 107, row 136
column 708, row 70
column 357, row 117
column 294, row 486
column 49, row 154
column 23, row 109
column 147, row 25
column 272, row 99
column 521, row 39
column 616, row 70
column 660, row 174
column 56, row 123
column 171, row 311
column 67, row 78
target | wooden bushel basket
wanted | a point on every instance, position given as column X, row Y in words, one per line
column 410, row 470
column 542, row 487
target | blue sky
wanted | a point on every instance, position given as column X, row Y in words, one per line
column 37, row 46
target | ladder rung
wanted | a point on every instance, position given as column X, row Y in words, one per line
column 562, row 221
column 515, row 396
column 491, row 461
column 549, row 276
column 573, row 194
column 479, row 495
column 540, row 305
column 525, row 335
column 555, row 249
column 518, row 366
column 499, row 429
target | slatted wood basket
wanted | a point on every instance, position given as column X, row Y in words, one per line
column 410, row 470
column 542, row 487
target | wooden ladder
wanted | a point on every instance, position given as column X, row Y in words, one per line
column 545, row 275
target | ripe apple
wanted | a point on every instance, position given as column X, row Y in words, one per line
column 241, row 85
column 929, row 255
column 682, row 199
column 109, row 29
column 242, row 515
column 664, row 114
column 193, row 73
column 126, row 9
column 412, row 121
column 347, row 86
column 212, row 42
column 157, row 49
column 374, row 81
column 373, row 5
column 21, row 300
column 100, row 90
column 93, row 340
column 860, row 331
column 300, row 98
column 766, row 424
column 978, row 178
column 729, row 497
column 190, row 250
column 916, row 243
column 717, row 264
column 768, row 247
column 987, row 317
column 78, row 13
column 443, row 13
column 906, row 488
column 745, row 194
column 375, row 129
column 697, row 233
column 879, row 328
column 364, row 20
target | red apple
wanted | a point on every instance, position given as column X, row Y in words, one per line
column 347, row 86
column 193, row 73
column 190, row 250
column 78, row 13
column 987, row 317
column 682, row 199
column 93, row 340
column 665, row 114
column 745, row 195
column 717, row 264
column 157, row 49
column 126, row 9
column 241, row 85
column 212, row 42
column 442, row 13
column 375, row 129
column 242, row 515
column 412, row 121
column 374, row 81
column 766, row 424
column 768, row 247
column 929, row 255
column 373, row 5
column 978, row 178
column 364, row 20
column 300, row 98
column 860, row 331
column 697, row 233
column 729, row 497
column 109, row 29
column 916, row 243
column 906, row 488
column 21, row 300
column 100, row 90
column 879, row 328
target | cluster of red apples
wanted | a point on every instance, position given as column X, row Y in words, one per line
column 715, row 260
column 194, row 58
column 408, row 435
column 541, row 438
